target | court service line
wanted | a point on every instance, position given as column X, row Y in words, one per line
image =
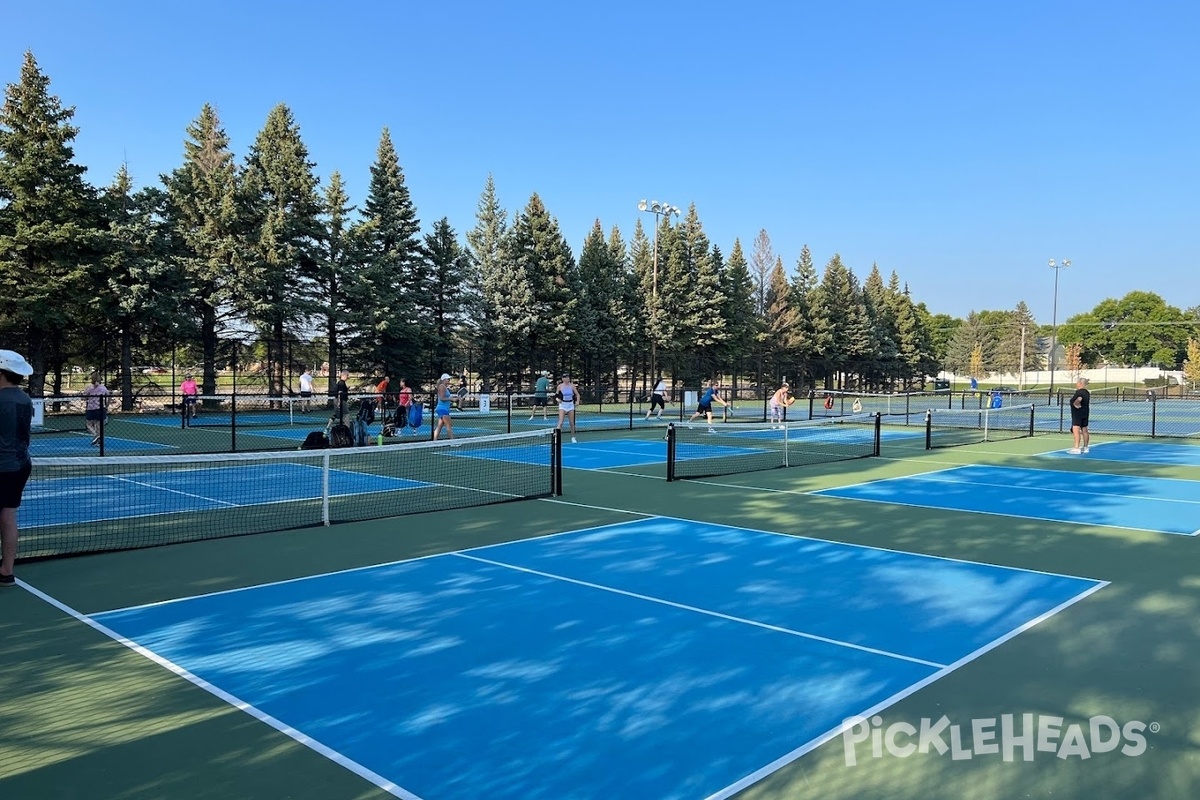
column 124, row 479
column 886, row 703
column 381, row 565
column 262, row 716
column 706, row 612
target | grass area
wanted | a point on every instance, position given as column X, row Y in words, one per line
column 92, row 719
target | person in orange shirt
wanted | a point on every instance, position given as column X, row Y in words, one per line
column 381, row 396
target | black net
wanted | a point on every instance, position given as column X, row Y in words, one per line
column 75, row 505
column 697, row 451
column 956, row 427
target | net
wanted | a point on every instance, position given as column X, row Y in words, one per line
column 223, row 411
column 76, row 505
column 698, row 451
column 956, row 427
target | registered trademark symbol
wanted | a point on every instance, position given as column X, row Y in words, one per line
column 1155, row 727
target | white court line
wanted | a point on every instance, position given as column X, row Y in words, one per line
column 706, row 612
column 262, row 716
column 381, row 565
column 817, row 741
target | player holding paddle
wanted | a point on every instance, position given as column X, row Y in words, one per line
column 442, row 410
column 704, row 407
column 567, row 397
column 779, row 403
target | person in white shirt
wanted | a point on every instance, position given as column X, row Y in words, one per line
column 658, row 398
column 306, row 388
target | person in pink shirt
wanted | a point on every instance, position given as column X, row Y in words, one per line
column 96, row 407
column 190, row 392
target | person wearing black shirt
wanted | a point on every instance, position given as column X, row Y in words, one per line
column 341, row 395
column 1081, row 403
column 16, row 417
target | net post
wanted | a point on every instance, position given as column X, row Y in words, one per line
column 929, row 429
column 812, row 396
column 508, row 414
column 785, row 445
column 879, row 431
column 670, row 452
column 630, row 406
column 233, row 421
column 1031, row 413
column 103, row 419
column 556, row 486
column 1153, row 413
column 325, row 490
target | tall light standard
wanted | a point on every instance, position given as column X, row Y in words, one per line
column 658, row 210
column 1057, row 267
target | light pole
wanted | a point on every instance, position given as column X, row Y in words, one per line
column 1057, row 267
column 658, row 210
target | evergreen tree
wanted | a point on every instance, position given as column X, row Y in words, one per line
column 336, row 270
column 780, row 319
column 883, row 367
column 695, row 297
column 621, row 311
column 803, row 346
column 393, row 294
column 971, row 349
column 641, row 301
column 542, row 255
column 600, row 287
column 1017, row 331
column 50, row 226
column 138, row 292
column 203, row 214
column 500, row 299
column 277, row 285
column 842, row 328
column 447, row 262
column 738, row 311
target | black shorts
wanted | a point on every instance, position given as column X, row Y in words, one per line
column 94, row 414
column 12, row 484
column 306, row 394
column 539, row 402
column 1079, row 422
column 704, row 408
column 656, row 401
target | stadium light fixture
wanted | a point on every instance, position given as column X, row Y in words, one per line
column 1057, row 267
column 658, row 210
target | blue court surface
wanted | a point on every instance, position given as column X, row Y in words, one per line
column 223, row 419
column 80, row 444
column 68, row 501
column 655, row 659
column 1161, row 505
column 1184, row 455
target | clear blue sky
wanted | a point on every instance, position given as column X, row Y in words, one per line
column 960, row 144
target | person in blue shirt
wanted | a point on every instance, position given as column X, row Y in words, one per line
column 442, row 409
column 708, row 396
column 16, row 419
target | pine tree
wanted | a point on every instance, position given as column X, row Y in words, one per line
column 762, row 261
column 138, row 290
column 446, row 262
column 738, row 310
column 883, row 366
column 540, row 252
column 393, row 295
column 971, row 348
column 336, row 270
column 277, row 285
column 50, row 226
column 622, row 309
column 780, row 318
column 600, row 286
column 498, row 296
column 843, row 333
column 641, row 301
column 695, row 278
column 803, row 346
column 203, row 214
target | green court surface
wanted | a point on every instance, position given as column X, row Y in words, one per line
column 87, row 717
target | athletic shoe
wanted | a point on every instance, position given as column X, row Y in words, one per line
column 96, row 441
column 1083, row 449
column 574, row 441
column 1074, row 451
column 712, row 430
column 7, row 581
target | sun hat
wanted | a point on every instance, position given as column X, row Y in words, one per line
column 14, row 362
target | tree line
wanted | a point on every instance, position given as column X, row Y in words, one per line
column 222, row 250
